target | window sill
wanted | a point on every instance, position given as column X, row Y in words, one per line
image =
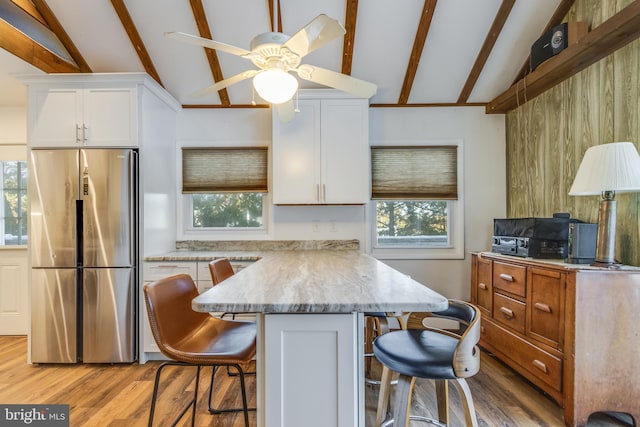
column 417, row 253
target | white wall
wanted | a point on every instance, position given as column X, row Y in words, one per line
column 13, row 261
column 484, row 177
column 484, row 181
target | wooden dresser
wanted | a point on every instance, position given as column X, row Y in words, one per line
column 572, row 330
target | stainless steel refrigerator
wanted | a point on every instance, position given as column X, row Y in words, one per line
column 83, row 245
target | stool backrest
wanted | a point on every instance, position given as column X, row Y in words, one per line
column 220, row 270
column 466, row 360
column 169, row 310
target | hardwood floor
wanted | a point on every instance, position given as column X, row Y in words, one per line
column 119, row 395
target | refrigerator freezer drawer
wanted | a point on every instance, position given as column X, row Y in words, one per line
column 53, row 316
column 109, row 321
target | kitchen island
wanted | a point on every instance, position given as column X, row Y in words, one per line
column 310, row 307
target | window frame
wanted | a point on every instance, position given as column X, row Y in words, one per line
column 186, row 231
column 14, row 153
column 455, row 215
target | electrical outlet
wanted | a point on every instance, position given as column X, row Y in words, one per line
column 332, row 226
column 315, row 226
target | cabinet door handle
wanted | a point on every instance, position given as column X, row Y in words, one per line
column 542, row 307
column 318, row 192
column 507, row 277
column 85, row 133
column 482, row 286
column 507, row 312
column 78, row 137
column 324, row 193
column 538, row 364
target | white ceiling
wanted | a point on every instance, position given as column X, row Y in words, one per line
column 385, row 32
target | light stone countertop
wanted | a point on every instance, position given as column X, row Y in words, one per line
column 318, row 281
column 205, row 256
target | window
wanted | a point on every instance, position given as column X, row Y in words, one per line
column 416, row 210
column 224, row 188
column 13, row 218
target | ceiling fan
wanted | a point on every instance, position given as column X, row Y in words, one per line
column 276, row 54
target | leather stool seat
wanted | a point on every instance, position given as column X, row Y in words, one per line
column 424, row 354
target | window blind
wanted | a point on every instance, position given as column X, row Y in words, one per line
column 414, row 173
column 224, row 170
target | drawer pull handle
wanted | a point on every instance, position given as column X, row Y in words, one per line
column 542, row 307
column 166, row 266
column 507, row 277
column 538, row 364
column 508, row 313
column 482, row 286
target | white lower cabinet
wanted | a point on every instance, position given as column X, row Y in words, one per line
column 156, row 270
column 311, row 370
column 151, row 272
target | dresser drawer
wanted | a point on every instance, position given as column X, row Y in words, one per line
column 538, row 363
column 510, row 278
column 509, row 312
column 484, row 290
column 156, row 270
column 546, row 294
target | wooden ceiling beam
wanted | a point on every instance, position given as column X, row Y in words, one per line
column 136, row 40
column 418, row 45
column 556, row 19
column 54, row 25
column 212, row 56
column 270, row 5
column 29, row 7
column 616, row 32
column 27, row 49
column 351, row 15
column 487, row 47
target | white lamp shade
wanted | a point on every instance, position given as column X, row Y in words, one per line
column 275, row 85
column 608, row 167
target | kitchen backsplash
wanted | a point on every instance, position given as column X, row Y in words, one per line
column 265, row 245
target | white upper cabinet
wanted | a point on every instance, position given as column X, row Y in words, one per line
column 99, row 117
column 322, row 155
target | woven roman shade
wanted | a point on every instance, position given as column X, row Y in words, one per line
column 414, row 173
column 224, row 170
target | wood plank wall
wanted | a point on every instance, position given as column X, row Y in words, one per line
column 548, row 135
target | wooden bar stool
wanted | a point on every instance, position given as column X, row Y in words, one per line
column 376, row 324
column 433, row 353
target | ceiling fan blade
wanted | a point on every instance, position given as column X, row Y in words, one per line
column 286, row 112
column 211, row 44
column 335, row 80
column 319, row 31
column 226, row 82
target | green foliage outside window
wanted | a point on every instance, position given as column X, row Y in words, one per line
column 227, row 210
column 412, row 223
column 14, row 199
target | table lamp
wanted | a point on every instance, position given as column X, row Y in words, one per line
column 605, row 170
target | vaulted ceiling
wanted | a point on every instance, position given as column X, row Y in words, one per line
column 418, row 52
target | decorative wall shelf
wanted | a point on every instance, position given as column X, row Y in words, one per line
column 618, row 31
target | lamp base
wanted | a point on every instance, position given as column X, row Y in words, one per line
column 606, row 239
column 609, row 265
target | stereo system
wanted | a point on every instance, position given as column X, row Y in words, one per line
column 555, row 41
column 549, row 238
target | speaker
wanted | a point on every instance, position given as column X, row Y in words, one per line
column 551, row 43
column 582, row 243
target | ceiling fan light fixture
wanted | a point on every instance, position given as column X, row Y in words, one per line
column 275, row 85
